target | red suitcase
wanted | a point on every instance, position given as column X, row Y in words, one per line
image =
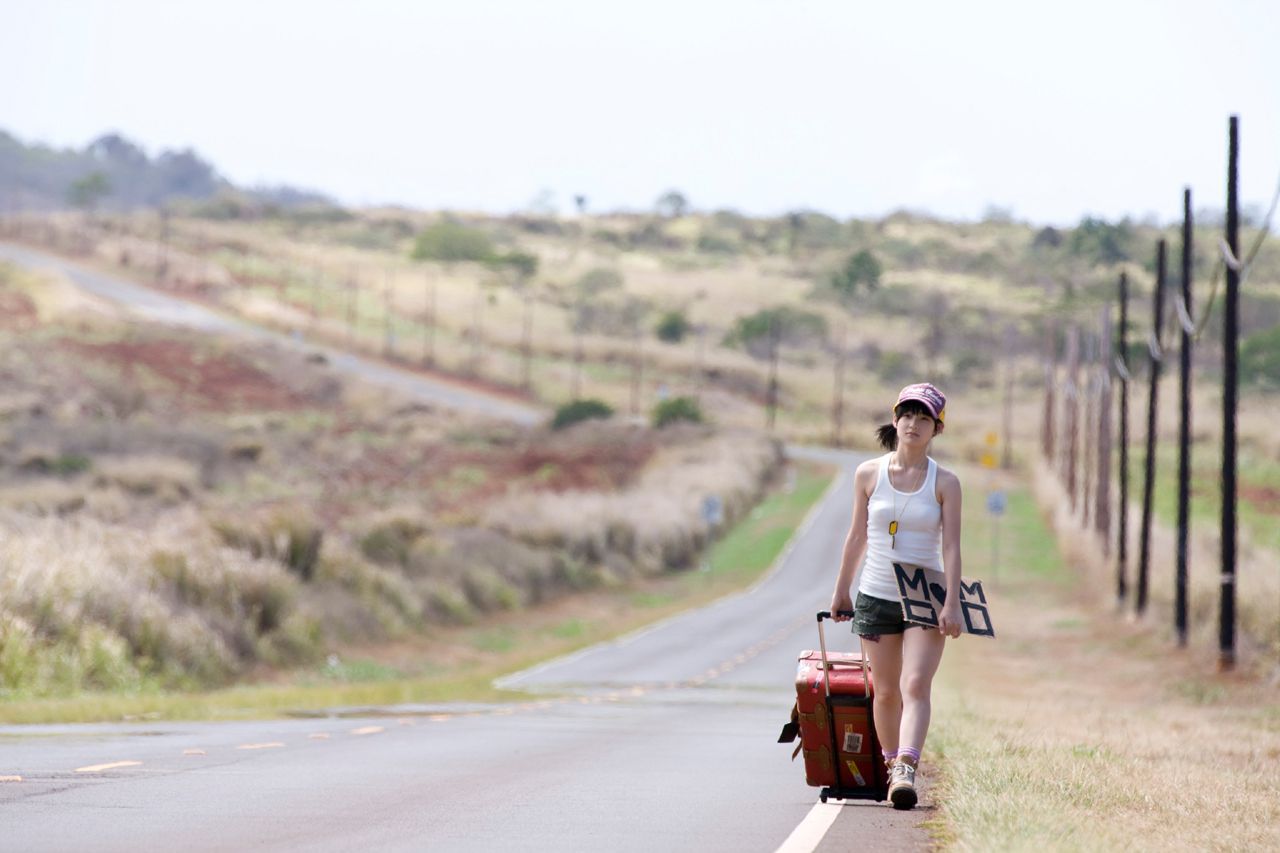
column 833, row 718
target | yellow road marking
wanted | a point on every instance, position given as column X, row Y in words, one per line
column 95, row 768
column 367, row 730
column 438, row 718
column 405, row 721
column 194, row 752
column 319, row 736
column 275, row 744
column 10, row 778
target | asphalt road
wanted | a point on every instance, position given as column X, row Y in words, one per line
column 661, row 740
column 152, row 305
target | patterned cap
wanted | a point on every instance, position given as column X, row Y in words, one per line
column 934, row 400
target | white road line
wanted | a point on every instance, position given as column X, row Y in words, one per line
column 96, row 768
column 273, row 745
column 367, row 730
column 806, row 837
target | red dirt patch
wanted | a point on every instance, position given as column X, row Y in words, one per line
column 203, row 380
column 17, row 311
column 1265, row 498
column 449, row 478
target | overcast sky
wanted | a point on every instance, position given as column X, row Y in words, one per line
column 1054, row 111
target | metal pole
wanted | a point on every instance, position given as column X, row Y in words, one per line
column 1006, row 433
column 1184, row 429
column 1102, row 502
column 1122, row 363
column 1047, row 431
column 1230, row 381
column 1088, row 433
column 1071, row 399
column 1149, row 471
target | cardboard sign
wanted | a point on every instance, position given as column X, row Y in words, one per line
column 924, row 591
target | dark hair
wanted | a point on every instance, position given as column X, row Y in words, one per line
column 887, row 434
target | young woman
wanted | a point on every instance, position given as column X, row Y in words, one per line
column 906, row 509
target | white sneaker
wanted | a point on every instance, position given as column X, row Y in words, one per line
column 902, row 785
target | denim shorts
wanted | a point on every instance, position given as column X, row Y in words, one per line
column 873, row 617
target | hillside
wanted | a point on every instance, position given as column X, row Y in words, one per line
column 180, row 510
column 636, row 310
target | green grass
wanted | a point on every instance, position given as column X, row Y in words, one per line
column 1025, row 549
column 1205, row 508
column 743, row 554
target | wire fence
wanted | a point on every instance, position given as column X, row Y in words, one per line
column 1112, row 370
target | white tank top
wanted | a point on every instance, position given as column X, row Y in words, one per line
column 919, row 534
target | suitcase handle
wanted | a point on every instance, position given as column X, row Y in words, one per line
column 826, row 614
column 826, row 666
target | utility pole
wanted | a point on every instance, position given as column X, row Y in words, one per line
column 1122, row 368
column 1047, row 425
column 1102, row 502
column 1230, row 389
column 1071, row 399
column 1184, row 426
column 1149, row 471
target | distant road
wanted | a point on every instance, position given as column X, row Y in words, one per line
column 153, row 305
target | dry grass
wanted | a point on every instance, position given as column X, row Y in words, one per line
column 1077, row 731
column 657, row 523
column 83, row 603
column 1257, row 585
column 166, row 478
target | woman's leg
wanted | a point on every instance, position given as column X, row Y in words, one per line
column 921, row 654
column 885, row 655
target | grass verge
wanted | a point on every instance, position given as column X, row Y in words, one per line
column 460, row 664
column 1078, row 729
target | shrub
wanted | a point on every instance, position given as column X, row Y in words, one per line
column 71, row 463
column 166, row 478
column 672, row 327
column 1260, row 359
column 290, row 535
column 1099, row 241
column 793, row 327
column 580, row 410
column 452, row 241
column 717, row 244
column 675, row 410
column 860, row 270
column 597, row 281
